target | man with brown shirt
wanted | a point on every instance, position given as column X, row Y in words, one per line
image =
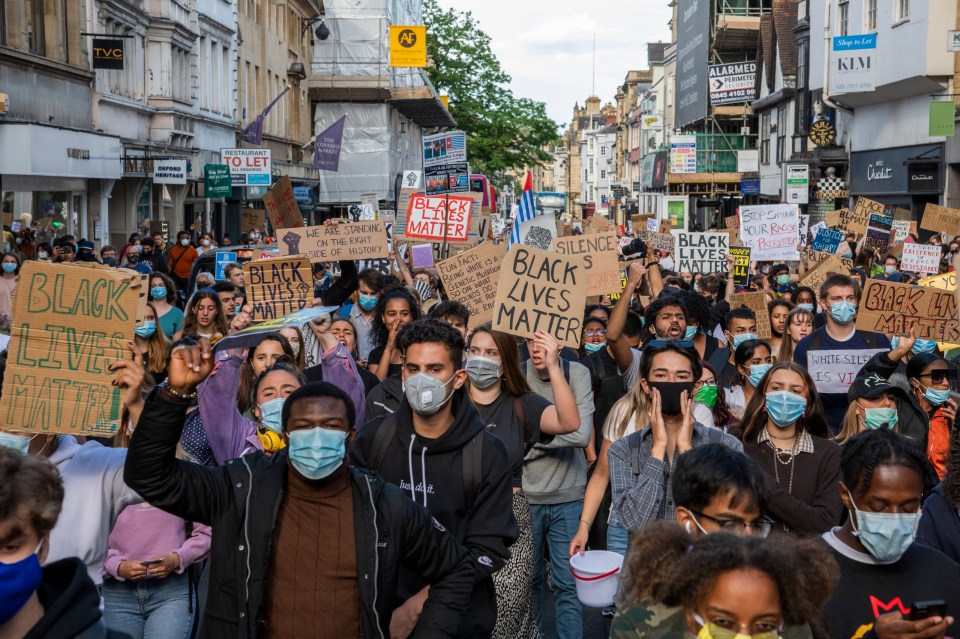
column 305, row 546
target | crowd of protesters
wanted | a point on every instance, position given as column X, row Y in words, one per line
column 393, row 469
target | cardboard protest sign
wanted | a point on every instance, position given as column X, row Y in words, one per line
column 253, row 335
column 815, row 257
column 541, row 291
column 902, row 214
column 278, row 286
column 403, row 205
column 860, row 216
column 252, row 219
column 356, row 240
column 756, row 302
column 771, row 230
column 900, row 230
column 599, row 254
column 878, row 231
column 661, row 242
column 802, row 229
column 429, row 219
column 701, row 252
column 622, row 284
column 471, row 277
column 741, row 265
column 825, row 267
column 921, row 258
column 940, row 219
column 71, row 323
column 947, row 282
column 599, row 223
column 833, row 218
column 282, row 206
column 834, row 371
column 891, row 307
column 827, row 240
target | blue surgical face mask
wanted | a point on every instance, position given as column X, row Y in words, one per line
column 843, row 312
column 740, row 338
column 783, row 280
column 691, row 332
column 237, row 309
column 924, row 346
column 367, row 302
column 806, row 307
column 146, row 330
column 158, row 292
column 887, row 536
column 317, row 452
column 757, row 371
column 785, row 407
column 16, row 442
column 875, row 418
column 934, row 396
column 270, row 414
column 593, row 348
column 9, row 267
column 18, row 582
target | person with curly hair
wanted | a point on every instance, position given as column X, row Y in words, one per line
column 723, row 585
column 883, row 571
column 394, row 308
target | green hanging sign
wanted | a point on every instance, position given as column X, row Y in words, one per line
column 216, row 181
column 942, row 119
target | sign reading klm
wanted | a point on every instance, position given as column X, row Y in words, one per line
column 853, row 63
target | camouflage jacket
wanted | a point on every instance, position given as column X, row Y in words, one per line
column 651, row 620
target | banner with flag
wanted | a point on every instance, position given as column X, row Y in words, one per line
column 525, row 212
column 326, row 149
column 253, row 134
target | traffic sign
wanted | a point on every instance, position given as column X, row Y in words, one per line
column 222, row 260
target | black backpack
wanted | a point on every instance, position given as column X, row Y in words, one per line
column 472, row 458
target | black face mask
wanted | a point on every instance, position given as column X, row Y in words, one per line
column 670, row 395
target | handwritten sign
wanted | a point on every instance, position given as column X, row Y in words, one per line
column 826, row 267
column 860, row 216
column 426, row 216
column 661, row 241
column 921, row 258
column 471, row 277
column 741, row 265
column 252, row 219
column 891, row 307
column 878, row 231
column 834, row 371
column 940, row 219
column 278, row 286
column 827, row 240
column 282, row 205
column 771, row 231
column 71, row 324
column 701, row 252
column 599, row 254
column 356, row 240
column 804, row 227
column 900, row 230
column 541, row 291
column 756, row 302
column 815, row 257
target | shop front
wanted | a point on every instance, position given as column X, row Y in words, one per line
column 907, row 177
column 57, row 180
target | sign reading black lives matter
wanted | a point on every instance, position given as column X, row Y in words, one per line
column 701, row 252
column 541, row 291
column 733, row 83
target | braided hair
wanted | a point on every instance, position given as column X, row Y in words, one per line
column 865, row 451
column 669, row 565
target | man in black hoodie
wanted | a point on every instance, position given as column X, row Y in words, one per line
column 438, row 451
column 59, row 599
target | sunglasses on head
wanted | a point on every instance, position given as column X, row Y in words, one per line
column 663, row 343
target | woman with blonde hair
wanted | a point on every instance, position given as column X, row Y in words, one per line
column 153, row 344
column 799, row 324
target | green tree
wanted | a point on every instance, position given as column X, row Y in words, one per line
column 504, row 132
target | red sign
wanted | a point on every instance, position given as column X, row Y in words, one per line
column 426, row 215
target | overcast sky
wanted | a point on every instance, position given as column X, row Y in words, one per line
column 547, row 45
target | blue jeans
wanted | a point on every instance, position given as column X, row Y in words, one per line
column 555, row 525
column 617, row 538
column 148, row 609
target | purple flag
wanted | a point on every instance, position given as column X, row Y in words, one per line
column 326, row 149
column 253, row 134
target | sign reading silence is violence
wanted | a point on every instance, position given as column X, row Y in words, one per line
column 71, row 324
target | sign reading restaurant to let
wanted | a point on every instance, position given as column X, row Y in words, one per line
column 248, row 167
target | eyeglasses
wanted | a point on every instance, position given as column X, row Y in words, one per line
column 760, row 528
column 663, row 343
column 595, row 332
column 938, row 377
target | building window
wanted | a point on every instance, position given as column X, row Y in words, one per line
column 3, row 22
column 902, row 10
column 871, row 15
column 765, row 137
column 603, row 174
column 35, row 26
column 843, row 17
column 603, row 150
column 781, row 133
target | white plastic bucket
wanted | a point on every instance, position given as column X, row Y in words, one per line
column 596, row 573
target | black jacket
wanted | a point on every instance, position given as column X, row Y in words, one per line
column 384, row 399
column 241, row 500
column 71, row 604
column 487, row 530
column 912, row 421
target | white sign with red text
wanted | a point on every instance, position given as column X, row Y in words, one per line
column 248, row 167
column 426, row 215
column 771, row 231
